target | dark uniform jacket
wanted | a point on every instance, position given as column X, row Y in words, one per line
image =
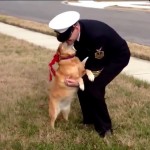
column 104, row 47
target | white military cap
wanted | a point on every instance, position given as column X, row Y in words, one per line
column 63, row 21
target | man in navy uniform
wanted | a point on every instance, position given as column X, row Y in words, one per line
column 107, row 53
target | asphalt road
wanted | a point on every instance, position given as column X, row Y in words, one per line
column 133, row 25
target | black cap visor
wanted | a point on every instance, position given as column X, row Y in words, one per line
column 62, row 37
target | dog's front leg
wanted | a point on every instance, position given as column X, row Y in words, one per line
column 90, row 75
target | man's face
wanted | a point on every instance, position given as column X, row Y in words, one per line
column 74, row 35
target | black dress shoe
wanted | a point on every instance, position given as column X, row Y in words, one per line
column 102, row 134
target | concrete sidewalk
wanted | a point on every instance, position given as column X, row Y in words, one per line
column 137, row 68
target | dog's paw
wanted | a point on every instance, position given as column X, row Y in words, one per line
column 81, row 86
column 91, row 77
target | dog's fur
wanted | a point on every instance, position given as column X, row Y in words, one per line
column 61, row 95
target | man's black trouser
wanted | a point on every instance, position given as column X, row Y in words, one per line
column 94, row 108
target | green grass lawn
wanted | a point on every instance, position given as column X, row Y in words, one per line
column 24, row 120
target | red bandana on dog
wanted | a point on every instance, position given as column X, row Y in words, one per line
column 51, row 69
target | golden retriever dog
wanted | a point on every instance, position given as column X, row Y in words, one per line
column 61, row 95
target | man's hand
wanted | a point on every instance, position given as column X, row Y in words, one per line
column 71, row 82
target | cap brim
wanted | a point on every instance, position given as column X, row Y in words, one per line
column 62, row 37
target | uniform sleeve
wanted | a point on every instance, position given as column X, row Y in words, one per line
column 113, row 68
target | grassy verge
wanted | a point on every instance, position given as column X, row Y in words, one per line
column 31, row 25
column 139, row 51
column 24, row 120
